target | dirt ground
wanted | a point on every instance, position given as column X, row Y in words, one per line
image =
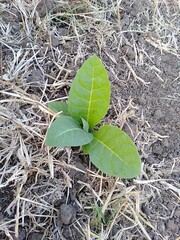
column 56, row 193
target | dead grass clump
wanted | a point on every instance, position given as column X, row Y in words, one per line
column 26, row 162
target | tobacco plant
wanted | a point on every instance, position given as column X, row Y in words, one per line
column 110, row 149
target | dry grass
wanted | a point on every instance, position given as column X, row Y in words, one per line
column 35, row 71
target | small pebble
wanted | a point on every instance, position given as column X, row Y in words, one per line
column 171, row 225
column 54, row 41
column 141, row 101
column 129, row 52
column 157, row 149
column 151, row 159
column 158, row 114
column 67, row 213
column 161, row 226
column 44, row 6
column 170, row 206
column 165, row 142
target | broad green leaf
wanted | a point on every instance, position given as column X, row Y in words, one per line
column 89, row 95
column 65, row 131
column 58, row 106
column 85, row 125
column 114, row 153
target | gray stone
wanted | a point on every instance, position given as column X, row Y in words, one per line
column 158, row 114
column 141, row 101
column 67, row 213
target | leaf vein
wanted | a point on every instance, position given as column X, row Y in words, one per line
column 69, row 130
column 112, row 151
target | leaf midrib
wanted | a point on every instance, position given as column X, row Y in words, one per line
column 91, row 93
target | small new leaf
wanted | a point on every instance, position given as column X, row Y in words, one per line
column 59, row 107
column 85, row 125
column 65, row 132
column 114, row 153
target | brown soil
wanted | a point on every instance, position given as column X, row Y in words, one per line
column 56, row 193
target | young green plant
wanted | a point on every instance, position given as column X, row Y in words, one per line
column 110, row 149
